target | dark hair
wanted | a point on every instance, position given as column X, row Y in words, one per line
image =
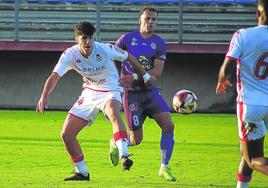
column 84, row 28
column 149, row 9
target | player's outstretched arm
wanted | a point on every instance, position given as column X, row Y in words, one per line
column 225, row 73
column 49, row 86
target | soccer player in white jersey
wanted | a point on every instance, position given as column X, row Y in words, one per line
column 102, row 91
column 248, row 54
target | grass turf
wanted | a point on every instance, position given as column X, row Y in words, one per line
column 206, row 153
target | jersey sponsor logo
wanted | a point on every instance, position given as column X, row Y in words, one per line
column 132, row 107
column 153, row 45
column 145, row 63
column 98, row 57
column 93, row 69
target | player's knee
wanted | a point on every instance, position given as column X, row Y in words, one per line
column 169, row 127
column 65, row 136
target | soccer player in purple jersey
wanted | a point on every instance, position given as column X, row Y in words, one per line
column 140, row 101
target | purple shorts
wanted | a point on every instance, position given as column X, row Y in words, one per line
column 140, row 104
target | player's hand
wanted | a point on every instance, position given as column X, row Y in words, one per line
column 41, row 105
column 148, row 84
column 126, row 81
column 221, row 87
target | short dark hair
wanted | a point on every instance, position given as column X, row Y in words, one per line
column 149, row 9
column 84, row 28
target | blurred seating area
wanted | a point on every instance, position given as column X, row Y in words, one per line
column 180, row 21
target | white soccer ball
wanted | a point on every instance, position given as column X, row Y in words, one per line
column 185, row 102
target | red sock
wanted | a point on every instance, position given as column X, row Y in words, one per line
column 78, row 158
column 243, row 178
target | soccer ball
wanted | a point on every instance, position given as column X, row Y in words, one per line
column 185, row 102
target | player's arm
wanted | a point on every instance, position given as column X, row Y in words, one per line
column 49, row 86
column 226, row 71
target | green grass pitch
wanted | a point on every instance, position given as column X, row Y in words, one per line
column 206, row 153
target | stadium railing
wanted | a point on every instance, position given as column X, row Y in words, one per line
column 180, row 22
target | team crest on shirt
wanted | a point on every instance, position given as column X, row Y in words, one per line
column 153, row 45
column 132, row 107
column 98, row 57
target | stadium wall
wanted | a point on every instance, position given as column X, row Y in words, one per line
column 23, row 74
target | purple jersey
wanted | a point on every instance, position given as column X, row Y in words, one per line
column 145, row 50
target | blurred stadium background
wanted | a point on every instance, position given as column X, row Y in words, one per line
column 33, row 34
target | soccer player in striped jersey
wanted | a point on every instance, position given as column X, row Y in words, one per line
column 248, row 55
column 140, row 101
column 101, row 92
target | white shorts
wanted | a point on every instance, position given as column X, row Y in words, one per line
column 91, row 102
column 252, row 121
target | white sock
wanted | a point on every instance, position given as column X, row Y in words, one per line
column 241, row 184
column 81, row 168
column 122, row 147
column 163, row 165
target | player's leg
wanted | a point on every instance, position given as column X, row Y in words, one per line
column 83, row 113
column 252, row 121
column 112, row 110
column 164, row 121
column 159, row 111
column 244, row 174
column 253, row 152
column 135, row 117
column 72, row 126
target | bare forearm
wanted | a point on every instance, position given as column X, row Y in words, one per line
column 225, row 73
column 50, row 84
column 157, row 69
column 227, row 69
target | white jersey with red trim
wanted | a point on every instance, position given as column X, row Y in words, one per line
column 98, row 70
column 250, row 48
